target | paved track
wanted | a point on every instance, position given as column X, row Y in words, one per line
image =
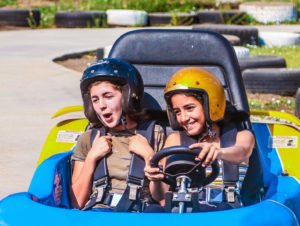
column 33, row 88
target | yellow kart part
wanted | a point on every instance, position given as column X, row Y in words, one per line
column 67, row 110
column 64, row 135
column 277, row 114
column 285, row 137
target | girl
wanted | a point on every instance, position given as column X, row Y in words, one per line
column 112, row 90
column 196, row 103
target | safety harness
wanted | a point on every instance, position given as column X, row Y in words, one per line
column 230, row 171
column 135, row 180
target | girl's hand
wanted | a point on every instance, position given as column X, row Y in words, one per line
column 152, row 173
column 208, row 154
column 101, row 146
column 139, row 145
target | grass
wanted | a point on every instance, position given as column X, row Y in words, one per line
column 49, row 8
column 271, row 102
column 275, row 102
column 7, row 3
column 290, row 53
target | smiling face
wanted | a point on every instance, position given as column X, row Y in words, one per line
column 107, row 102
column 189, row 113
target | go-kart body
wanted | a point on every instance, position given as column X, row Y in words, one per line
column 47, row 201
column 277, row 135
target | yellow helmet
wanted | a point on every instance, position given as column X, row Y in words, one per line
column 203, row 82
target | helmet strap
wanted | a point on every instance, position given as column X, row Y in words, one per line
column 208, row 133
column 211, row 133
column 123, row 121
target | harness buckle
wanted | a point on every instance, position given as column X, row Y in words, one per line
column 133, row 189
column 100, row 187
column 134, row 184
column 230, row 193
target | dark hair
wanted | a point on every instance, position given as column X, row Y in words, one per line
column 198, row 96
column 116, row 85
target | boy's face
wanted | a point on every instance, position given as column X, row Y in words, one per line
column 107, row 102
column 189, row 113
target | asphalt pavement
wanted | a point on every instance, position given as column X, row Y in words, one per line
column 33, row 88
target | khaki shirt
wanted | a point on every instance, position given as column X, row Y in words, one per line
column 118, row 161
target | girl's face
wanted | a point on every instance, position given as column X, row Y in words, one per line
column 189, row 113
column 107, row 102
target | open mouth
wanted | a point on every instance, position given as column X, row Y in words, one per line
column 107, row 116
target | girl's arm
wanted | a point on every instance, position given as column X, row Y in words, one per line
column 81, row 184
column 82, row 178
column 236, row 154
column 242, row 149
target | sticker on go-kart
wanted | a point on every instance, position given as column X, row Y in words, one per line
column 283, row 142
column 68, row 136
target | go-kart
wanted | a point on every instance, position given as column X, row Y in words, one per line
column 270, row 194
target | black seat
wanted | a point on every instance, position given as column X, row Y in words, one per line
column 159, row 53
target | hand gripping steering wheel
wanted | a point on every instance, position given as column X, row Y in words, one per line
column 181, row 162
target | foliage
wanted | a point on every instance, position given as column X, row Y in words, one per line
column 50, row 7
column 7, row 2
column 47, row 15
column 284, row 104
column 290, row 53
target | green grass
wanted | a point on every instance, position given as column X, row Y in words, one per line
column 290, row 53
column 7, row 2
column 278, row 103
column 175, row 6
column 146, row 5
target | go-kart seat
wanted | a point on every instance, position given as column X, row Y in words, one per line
column 159, row 53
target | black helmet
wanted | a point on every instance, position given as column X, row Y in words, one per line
column 118, row 72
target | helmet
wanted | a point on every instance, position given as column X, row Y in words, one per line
column 200, row 81
column 116, row 71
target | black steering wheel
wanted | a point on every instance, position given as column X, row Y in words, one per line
column 181, row 162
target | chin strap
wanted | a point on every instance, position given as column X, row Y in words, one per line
column 210, row 132
column 207, row 133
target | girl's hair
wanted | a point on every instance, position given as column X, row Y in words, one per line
column 198, row 96
column 115, row 85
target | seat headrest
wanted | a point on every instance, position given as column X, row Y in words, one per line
column 158, row 53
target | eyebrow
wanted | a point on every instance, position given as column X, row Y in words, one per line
column 103, row 94
column 186, row 105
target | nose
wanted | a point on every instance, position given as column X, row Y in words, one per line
column 102, row 104
column 184, row 117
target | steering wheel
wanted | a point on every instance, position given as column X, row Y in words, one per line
column 181, row 162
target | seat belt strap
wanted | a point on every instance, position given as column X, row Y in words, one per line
column 100, row 178
column 230, row 171
column 135, row 178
